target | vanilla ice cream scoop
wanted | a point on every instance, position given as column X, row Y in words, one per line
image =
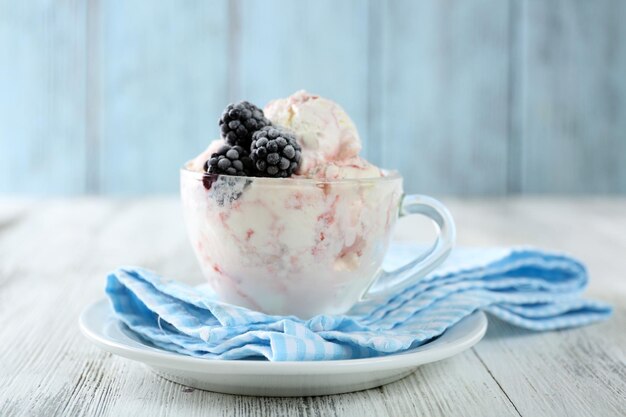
column 355, row 167
column 324, row 129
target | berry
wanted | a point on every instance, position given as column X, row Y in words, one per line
column 239, row 121
column 225, row 189
column 229, row 160
column 274, row 152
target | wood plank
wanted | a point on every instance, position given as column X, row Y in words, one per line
column 164, row 85
column 319, row 46
column 444, row 100
column 62, row 374
column 574, row 97
column 574, row 372
column 42, row 99
column 38, row 278
column 457, row 386
column 578, row 372
column 48, row 368
column 12, row 210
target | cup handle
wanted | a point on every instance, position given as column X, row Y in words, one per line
column 389, row 282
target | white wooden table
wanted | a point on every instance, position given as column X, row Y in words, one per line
column 54, row 255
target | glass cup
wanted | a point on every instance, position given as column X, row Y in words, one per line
column 303, row 247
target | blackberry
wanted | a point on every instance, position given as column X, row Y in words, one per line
column 274, row 152
column 229, row 160
column 225, row 189
column 239, row 121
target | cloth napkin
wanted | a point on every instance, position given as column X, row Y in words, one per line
column 526, row 287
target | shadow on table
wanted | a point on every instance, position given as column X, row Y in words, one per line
column 498, row 329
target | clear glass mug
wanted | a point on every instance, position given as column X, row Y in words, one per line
column 304, row 247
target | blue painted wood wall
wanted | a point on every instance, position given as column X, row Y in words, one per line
column 480, row 97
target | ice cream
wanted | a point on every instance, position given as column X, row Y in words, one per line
column 351, row 168
column 306, row 244
column 325, row 132
column 298, row 247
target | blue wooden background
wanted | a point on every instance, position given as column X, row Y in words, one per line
column 480, row 97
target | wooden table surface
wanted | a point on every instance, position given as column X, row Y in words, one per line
column 54, row 255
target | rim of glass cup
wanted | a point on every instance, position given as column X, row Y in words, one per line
column 389, row 175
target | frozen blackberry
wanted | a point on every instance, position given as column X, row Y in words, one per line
column 239, row 121
column 274, row 152
column 225, row 189
column 229, row 160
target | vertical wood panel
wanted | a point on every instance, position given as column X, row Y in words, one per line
column 574, row 97
column 319, row 46
column 445, row 65
column 42, row 97
column 514, row 102
column 479, row 97
column 375, row 84
column 164, row 83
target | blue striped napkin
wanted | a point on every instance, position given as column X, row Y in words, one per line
column 526, row 287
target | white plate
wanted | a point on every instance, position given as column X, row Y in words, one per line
column 256, row 377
